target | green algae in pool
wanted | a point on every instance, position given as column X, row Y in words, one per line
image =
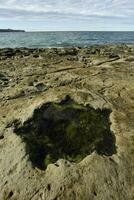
column 66, row 130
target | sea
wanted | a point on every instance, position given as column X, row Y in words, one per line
column 63, row 39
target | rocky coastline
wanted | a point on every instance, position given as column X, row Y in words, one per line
column 67, row 123
column 10, row 30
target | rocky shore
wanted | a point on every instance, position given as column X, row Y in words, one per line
column 67, row 123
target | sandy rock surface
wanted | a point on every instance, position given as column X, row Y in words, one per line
column 99, row 77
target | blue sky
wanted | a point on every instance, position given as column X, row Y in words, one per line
column 97, row 15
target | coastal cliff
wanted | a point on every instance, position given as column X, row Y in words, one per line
column 11, row 30
column 66, row 123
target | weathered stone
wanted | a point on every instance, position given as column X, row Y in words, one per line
column 66, row 130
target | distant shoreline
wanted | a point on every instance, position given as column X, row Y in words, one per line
column 10, row 30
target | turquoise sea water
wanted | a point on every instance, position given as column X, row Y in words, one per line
column 63, row 39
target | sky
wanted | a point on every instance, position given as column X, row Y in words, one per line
column 67, row 15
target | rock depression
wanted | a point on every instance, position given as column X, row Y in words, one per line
column 66, row 130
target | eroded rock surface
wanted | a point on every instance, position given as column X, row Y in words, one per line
column 67, row 123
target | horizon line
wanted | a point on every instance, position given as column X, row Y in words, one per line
column 78, row 30
column 37, row 30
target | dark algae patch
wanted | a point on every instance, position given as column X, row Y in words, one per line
column 66, row 130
